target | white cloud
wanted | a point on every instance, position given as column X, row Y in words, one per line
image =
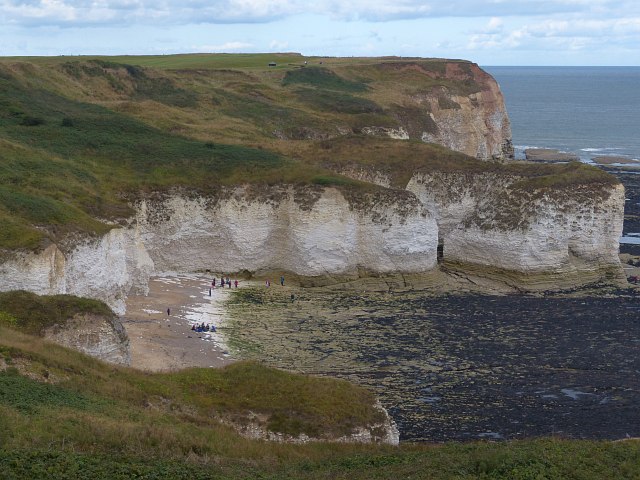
column 177, row 12
column 225, row 47
column 461, row 28
column 277, row 45
column 495, row 25
column 570, row 34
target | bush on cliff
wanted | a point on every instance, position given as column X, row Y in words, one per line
column 32, row 313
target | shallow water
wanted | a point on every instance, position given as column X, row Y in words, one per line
column 460, row 367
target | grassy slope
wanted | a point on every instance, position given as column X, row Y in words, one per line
column 75, row 417
column 80, row 135
column 65, row 162
column 401, row 159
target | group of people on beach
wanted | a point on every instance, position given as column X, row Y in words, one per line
column 223, row 282
column 203, row 328
column 267, row 282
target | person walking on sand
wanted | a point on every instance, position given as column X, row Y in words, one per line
column 236, row 283
column 168, row 312
column 282, row 280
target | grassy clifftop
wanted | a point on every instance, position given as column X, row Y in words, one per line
column 81, row 136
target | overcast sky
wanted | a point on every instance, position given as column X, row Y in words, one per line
column 489, row 32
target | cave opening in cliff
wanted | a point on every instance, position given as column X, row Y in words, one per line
column 440, row 251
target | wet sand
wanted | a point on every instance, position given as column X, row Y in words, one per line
column 161, row 341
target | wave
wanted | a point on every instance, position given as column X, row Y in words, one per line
column 604, row 149
column 630, row 240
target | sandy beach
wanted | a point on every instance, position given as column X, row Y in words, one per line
column 162, row 341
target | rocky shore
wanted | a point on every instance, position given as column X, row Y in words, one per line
column 549, row 155
column 461, row 366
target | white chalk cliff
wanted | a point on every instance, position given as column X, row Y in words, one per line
column 488, row 221
column 480, row 220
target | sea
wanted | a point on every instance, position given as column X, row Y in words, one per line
column 588, row 111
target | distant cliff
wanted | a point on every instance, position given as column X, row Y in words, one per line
column 467, row 114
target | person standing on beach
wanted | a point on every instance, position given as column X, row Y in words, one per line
column 168, row 312
column 236, row 283
column 282, row 280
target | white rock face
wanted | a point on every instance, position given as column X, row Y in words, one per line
column 395, row 133
column 330, row 238
column 485, row 222
column 385, row 432
column 100, row 336
column 479, row 219
column 106, row 269
column 187, row 234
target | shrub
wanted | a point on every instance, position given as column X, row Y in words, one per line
column 29, row 121
column 322, row 78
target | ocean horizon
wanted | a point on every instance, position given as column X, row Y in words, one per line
column 589, row 111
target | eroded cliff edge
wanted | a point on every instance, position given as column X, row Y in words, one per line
column 533, row 229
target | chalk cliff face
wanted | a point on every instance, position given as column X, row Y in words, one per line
column 385, row 432
column 100, row 336
column 489, row 221
column 106, row 269
column 480, row 126
column 330, row 236
column 321, row 234
column 480, row 220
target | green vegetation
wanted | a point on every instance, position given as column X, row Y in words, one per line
column 181, row 61
column 337, row 102
column 65, row 415
column 28, row 396
column 400, row 160
column 79, row 161
column 569, row 175
column 133, row 80
column 550, row 459
column 322, row 78
column 32, row 313
column 81, row 137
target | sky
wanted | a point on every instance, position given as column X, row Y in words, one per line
column 489, row 32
